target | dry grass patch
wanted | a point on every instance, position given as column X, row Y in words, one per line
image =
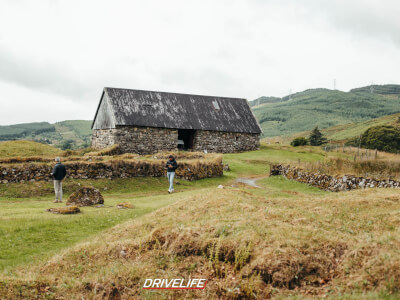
column 125, row 205
column 360, row 163
column 247, row 243
column 65, row 210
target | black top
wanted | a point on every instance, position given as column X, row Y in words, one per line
column 59, row 171
column 171, row 165
column 181, row 111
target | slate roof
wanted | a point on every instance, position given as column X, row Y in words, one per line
column 180, row 111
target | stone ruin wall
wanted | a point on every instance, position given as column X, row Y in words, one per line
column 148, row 140
column 331, row 183
column 108, row 170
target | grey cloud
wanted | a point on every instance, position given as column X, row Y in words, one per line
column 43, row 76
column 204, row 80
column 373, row 19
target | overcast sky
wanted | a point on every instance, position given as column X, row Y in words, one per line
column 57, row 55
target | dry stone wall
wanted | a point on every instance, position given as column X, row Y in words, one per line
column 110, row 169
column 225, row 142
column 331, row 183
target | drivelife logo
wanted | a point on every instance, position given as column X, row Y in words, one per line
column 174, row 284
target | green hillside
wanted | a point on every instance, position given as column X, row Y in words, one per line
column 77, row 132
column 81, row 127
column 265, row 100
column 25, row 130
column 326, row 108
column 345, row 132
column 348, row 131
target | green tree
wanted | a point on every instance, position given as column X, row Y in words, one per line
column 316, row 137
column 384, row 138
column 300, row 141
column 67, row 144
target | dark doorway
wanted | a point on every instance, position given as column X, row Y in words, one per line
column 185, row 139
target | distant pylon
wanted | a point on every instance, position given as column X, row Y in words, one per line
column 334, row 84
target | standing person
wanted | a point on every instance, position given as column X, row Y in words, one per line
column 59, row 172
column 171, row 167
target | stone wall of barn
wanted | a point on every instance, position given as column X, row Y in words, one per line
column 148, row 140
column 141, row 140
column 103, row 138
column 225, row 142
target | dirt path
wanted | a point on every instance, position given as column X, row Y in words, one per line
column 251, row 181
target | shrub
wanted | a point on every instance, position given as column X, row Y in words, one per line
column 300, row 141
column 384, row 138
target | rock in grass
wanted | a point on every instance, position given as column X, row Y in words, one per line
column 85, row 196
column 125, row 205
column 65, row 210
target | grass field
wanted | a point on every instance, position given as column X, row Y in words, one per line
column 285, row 240
column 26, row 148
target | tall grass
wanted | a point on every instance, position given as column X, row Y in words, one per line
column 360, row 162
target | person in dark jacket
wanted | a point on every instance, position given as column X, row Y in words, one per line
column 171, row 166
column 59, row 172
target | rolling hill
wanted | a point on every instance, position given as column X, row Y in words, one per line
column 325, row 108
column 346, row 132
column 75, row 132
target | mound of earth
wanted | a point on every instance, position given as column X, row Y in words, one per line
column 64, row 210
column 85, row 196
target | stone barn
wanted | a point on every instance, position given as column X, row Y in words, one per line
column 147, row 122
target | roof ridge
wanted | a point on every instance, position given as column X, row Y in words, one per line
column 186, row 94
